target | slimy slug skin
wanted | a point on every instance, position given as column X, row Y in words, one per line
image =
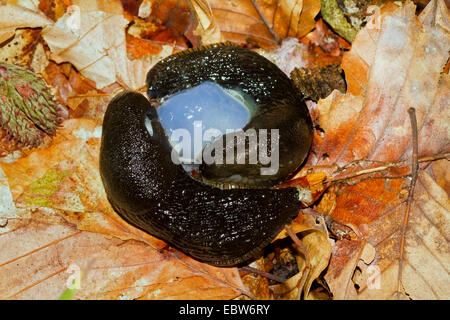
column 144, row 186
column 151, row 191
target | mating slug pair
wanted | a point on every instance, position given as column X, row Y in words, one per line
column 150, row 190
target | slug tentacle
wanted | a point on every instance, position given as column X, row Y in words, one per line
column 150, row 191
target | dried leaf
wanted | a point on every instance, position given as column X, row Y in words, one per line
column 63, row 181
column 20, row 50
column 344, row 258
column 318, row 83
column 40, row 256
column 373, row 126
column 53, row 9
column 108, row 6
column 426, row 258
column 14, row 16
column 335, row 17
column 207, row 27
column 129, row 72
column 94, row 42
column 176, row 16
column 290, row 55
column 54, row 215
column 84, row 39
column 318, row 247
column 257, row 285
column 264, row 23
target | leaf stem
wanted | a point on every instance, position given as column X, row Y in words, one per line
column 414, row 175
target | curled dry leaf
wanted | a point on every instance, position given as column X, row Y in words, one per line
column 396, row 63
column 83, row 38
column 345, row 256
column 315, row 239
column 207, row 27
column 21, row 49
column 264, row 23
column 63, row 217
column 95, row 43
column 62, row 186
column 14, row 16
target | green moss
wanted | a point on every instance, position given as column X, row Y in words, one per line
column 38, row 192
column 334, row 16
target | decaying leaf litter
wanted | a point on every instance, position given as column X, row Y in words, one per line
column 54, row 213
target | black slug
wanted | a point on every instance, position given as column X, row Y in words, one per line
column 150, row 190
column 144, row 186
column 276, row 104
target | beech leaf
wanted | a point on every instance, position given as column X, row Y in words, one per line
column 43, row 258
column 395, row 64
column 62, row 186
column 264, row 22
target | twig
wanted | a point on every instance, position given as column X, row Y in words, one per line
column 360, row 161
column 353, row 182
column 262, row 273
column 303, row 250
column 414, row 173
column 385, row 166
column 90, row 95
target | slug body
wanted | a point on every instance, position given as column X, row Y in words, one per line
column 146, row 188
column 276, row 103
column 150, row 190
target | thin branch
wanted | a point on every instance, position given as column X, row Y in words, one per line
column 385, row 166
column 359, row 162
column 414, row 173
column 354, row 182
column 90, row 95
